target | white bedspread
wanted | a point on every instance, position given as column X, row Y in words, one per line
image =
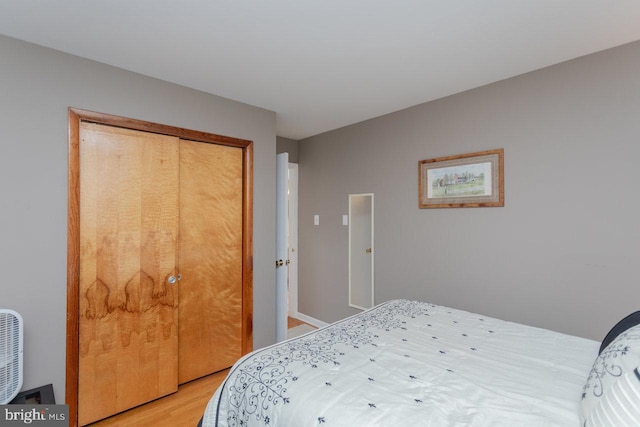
column 408, row 363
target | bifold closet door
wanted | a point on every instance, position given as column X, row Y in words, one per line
column 210, row 258
column 128, row 332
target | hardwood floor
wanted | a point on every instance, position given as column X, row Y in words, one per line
column 181, row 409
column 292, row 323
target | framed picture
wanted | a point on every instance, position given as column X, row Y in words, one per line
column 463, row 181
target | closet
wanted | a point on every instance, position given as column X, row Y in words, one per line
column 159, row 274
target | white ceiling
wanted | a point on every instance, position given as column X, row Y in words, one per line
column 324, row 64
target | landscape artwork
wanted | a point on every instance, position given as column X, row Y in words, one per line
column 460, row 181
column 463, row 180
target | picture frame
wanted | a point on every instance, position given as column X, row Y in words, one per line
column 462, row 181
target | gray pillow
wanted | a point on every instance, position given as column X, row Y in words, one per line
column 628, row 322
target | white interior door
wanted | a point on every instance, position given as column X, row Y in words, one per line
column 361, row 251
column 282, row 171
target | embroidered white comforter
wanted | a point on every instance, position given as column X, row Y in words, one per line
column 408, row 363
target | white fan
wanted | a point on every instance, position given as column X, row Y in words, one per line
column 11, row 334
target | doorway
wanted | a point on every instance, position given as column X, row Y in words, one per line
column 292, row 296
column 286, row 243
column 361, row 251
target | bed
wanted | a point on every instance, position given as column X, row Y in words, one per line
column 410, row 363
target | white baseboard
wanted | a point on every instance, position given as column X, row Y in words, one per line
column 308, row 319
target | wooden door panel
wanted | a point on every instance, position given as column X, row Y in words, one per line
column 128, row 235
column 210, row 258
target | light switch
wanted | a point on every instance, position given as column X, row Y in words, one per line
column 345, row 219
column 316, row 220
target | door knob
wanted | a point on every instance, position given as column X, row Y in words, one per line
column 279, row 263
column 172, row 280
column 368, row 250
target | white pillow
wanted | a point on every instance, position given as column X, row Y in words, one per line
column 620, row 406
column 620, row 357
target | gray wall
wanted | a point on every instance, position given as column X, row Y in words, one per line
column 36, row 87
column 286, row 145
column 563, row 252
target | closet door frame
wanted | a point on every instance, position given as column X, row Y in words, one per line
column 75, row 117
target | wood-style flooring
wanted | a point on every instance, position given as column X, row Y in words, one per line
column 292, row 323
column 181, row 409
